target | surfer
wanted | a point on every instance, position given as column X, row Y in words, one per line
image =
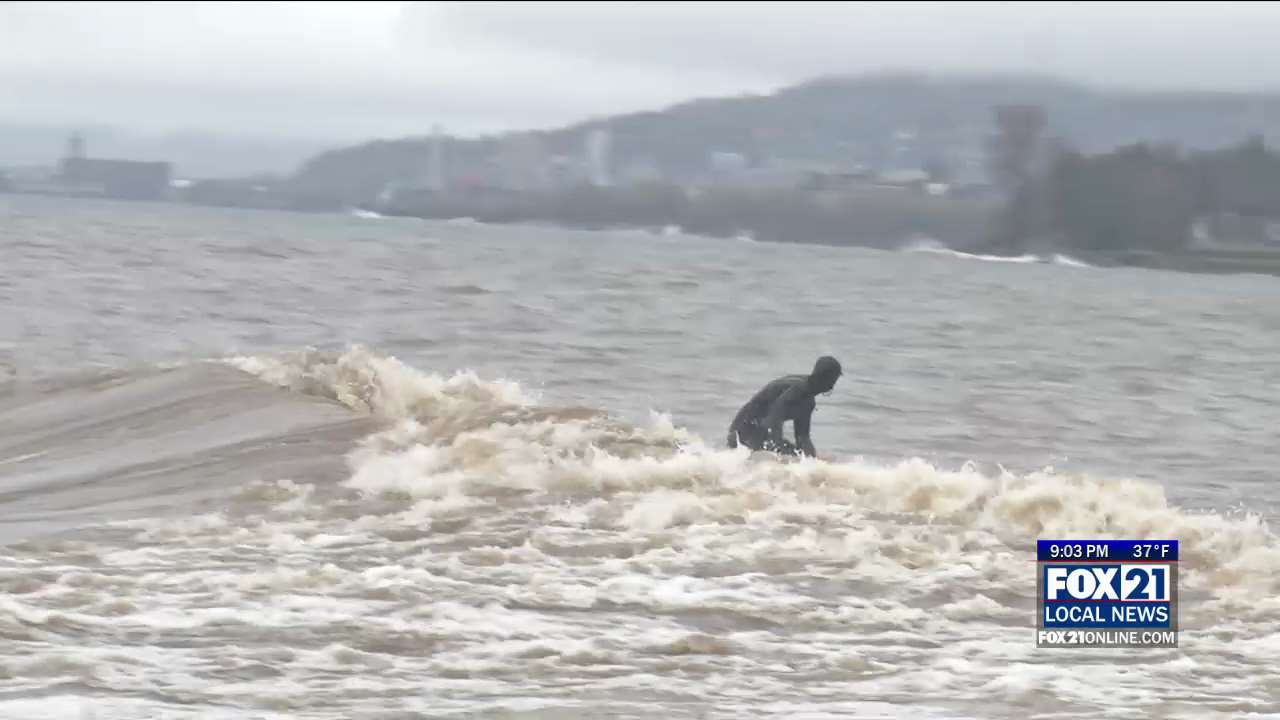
column 758, row 425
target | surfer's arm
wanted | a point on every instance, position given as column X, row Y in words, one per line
column 778, row 412
column 738, row 421
column 802, row 434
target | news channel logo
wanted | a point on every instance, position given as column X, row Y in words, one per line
column 1107, row 593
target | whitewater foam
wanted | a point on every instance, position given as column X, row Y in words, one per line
column 934, row 247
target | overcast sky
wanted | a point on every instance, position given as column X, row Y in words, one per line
column 359, row 69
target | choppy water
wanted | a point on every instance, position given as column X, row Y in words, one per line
column 494, row 487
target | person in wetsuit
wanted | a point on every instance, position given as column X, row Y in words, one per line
column 758, row 425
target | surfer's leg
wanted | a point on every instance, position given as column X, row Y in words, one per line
column 752, row 436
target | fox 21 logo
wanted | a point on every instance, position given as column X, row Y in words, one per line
column 1107, row 593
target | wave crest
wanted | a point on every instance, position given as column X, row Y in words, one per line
column 934, row 247
column 380, row 385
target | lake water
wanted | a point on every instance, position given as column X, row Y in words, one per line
column 268, row 465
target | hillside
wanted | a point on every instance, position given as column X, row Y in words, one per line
column 882, row 121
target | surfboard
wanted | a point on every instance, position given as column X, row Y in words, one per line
column 758, row 456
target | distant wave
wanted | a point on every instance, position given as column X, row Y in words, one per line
column 1059, row 259
column 934, row 247
column 366, row 214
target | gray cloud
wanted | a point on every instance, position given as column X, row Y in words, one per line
column 352, row 69
column 1167, row 45
column 315, row 69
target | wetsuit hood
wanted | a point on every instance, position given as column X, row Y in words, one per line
column 825, row 373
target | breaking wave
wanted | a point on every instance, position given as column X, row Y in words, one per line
column 462, row 436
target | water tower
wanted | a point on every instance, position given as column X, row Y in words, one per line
column 75, row 146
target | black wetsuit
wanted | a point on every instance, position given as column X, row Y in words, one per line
column 758, row 425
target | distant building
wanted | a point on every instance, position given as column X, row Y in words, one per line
column 727, row 163
column 1231, row 231
column 598, row 161
column 524, row 162
column 904, row 178
column 640, row 171
column 566, row 171
column 435, row 167
column 124, row 179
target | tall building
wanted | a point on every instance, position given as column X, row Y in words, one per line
column 598, row 142
column 435, row 165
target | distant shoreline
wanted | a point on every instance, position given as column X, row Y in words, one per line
column 868, row 217
column 1213, row 262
